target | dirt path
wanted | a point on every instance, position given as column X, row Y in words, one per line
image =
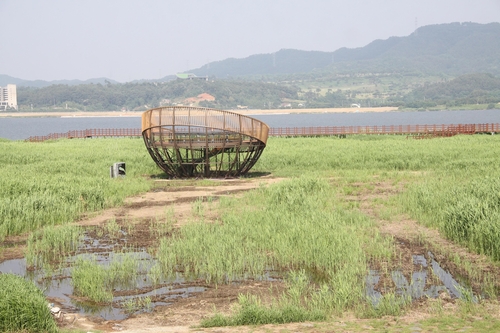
column 169, row 193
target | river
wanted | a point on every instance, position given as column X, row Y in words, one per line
column 20, row 128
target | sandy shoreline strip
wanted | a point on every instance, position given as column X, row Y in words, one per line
column 244, row 112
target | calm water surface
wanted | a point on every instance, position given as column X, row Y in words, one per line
column 22, row 128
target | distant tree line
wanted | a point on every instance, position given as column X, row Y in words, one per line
column 229, row 94
column 142, row 96
column 467, row 89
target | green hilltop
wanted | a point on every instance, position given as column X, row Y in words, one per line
column 454, row 49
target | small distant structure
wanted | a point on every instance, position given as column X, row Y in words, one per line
column 8, row 97
column 242, row 107
column 165, row 101
column 355, row 105
column 200, row 98
column 190, row 76
column 206, row 97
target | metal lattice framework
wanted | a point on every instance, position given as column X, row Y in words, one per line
column 190, row 141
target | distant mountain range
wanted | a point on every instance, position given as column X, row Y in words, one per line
column 6, row 79
column 452, row 49
column 455, row 49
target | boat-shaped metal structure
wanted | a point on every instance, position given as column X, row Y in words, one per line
column 201, row 142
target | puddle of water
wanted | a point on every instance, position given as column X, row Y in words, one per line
column 14, row 266
column 418, row 286
column 59, row 288
column 419, row 259
column 57, row 285
column 372, row 279
column 450, row 283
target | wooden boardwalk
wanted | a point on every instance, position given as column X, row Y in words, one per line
column 89, row 133
column 417, row 131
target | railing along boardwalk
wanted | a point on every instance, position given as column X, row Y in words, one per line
column 89, row 133
column 436, row 130
column 418, row 131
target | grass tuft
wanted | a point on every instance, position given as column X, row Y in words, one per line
column 23, row 307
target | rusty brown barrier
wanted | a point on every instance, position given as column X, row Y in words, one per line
column 417, row 130
column 190, row 141
column 89, row 133
column 436, row 130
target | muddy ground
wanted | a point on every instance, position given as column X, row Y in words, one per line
column 184, row 314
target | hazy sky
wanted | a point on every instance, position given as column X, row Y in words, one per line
column 127, row 40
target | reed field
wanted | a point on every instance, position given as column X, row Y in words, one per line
column 56, row 182
column 23, row 307
column 306, row 230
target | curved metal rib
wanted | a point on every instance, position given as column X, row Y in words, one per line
column 189, row 141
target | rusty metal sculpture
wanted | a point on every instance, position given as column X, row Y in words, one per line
column 192, row 142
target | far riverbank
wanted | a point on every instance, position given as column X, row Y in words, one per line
column 250, row 112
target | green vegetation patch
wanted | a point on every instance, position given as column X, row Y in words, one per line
column 295, row 228
column 466, row 211
column 96, row 281
column 303, row 229
column 56, row 182
column 23, row 307
column 52, row 244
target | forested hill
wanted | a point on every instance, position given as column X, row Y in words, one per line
column 281, row 62
column 455, row 49
column 467, row 89
column 145, row 95
column 6, row 79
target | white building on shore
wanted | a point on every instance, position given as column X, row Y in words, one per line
column 8, row 97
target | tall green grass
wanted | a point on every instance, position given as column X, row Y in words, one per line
column 453, row 183
column 23, row 307
column 55, row 182
column 376, row 154
column 52, row 244
column 96, row 280
column 91, row 280
column 292, row 306
column 466, row 211
column 299, row 227
column 291, row 226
